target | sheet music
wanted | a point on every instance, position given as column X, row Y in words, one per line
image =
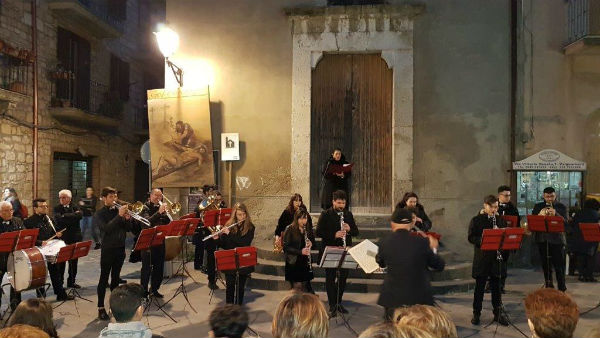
column 364, row 254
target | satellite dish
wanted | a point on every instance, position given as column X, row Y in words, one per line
column 145, row 152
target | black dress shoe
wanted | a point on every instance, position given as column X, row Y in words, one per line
column 102, row 315
column 74, row 286
column 64, row 298
column 475, row 320
column 158, row 294
column 122, row 281
column 342, row 309
column 213, row 286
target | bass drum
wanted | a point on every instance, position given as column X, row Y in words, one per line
column 27, row 269
column 173, row 246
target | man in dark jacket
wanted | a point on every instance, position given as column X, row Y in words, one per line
column 67, row 215
column 586, row 251
column 551, row 245
column 40, row 220
column 332, row 232
column 114, row 224
column 9, row 223
column 487, row 264
column 506, row 208
column 407, row 259
column 153, row 260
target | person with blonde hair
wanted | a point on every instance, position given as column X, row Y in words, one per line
column 300, row 315
column 22, row 330
column 428, row 318
column 551, row 313
column 35, row 312
column 384, row 329
column 409, row 331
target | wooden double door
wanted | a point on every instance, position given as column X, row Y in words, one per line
column 351, row 108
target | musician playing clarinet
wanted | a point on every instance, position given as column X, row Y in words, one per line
column 336, row 231
column 67, row 215
column 486, row 264
column 297, row 242
column 40, row 220
column 114, row 223
column 239, row 235
column 505, row 208
column 153, row 259
column 555, row 242
column 9, row 223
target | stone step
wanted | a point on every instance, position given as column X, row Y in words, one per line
column 267, row 253
column 377, row 220
column 270, row 282
column 451, row 272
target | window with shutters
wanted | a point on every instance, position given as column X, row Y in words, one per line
column 72, row 76
column 119, row 78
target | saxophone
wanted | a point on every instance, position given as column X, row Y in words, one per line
column 309, row 254
column 341, row 214
column 277, row 247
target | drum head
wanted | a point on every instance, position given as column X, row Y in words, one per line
column 20, row 266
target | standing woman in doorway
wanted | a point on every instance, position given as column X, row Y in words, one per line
column 238, row 236
column 334, row 181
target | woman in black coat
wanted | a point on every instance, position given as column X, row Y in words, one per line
column 287, row 216
column 334, row 181
column 238, row 236
column 585, row 251
column 298, row 267
column 411, row 202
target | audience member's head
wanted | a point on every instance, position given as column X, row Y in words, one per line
column 228, row 321
column 381, row 330
column 21, row 331
column 300, row 315
column 126, row 303
column 551, row 313
column 35, row 312
column 408, row 331
column 428, row 318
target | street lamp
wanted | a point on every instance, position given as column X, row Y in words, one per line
column 168, row 41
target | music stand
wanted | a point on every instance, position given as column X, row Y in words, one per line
column 591, row 233
column 511, row 221
column 82, row 249
column 336, row 257
column 182, row 227
column 64, row 254
column 546, row 224
column 502, row 239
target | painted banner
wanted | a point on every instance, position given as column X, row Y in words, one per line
column 549, row 160
column 180, row 137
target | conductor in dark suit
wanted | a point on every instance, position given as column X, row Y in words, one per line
column 408, row 259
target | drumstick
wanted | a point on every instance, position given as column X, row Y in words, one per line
column 60, row 232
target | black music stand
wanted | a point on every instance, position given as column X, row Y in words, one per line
column 591, row 233
column 82, row 249
column 65, row 254
column 504, row 239
column 546, row 224
column 184, row 227
column 335, row 257
column 8, row 242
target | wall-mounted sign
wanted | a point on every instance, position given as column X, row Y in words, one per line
column 230, row 147
column 549, row 160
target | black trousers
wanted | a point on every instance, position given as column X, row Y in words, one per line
column 331, row 285
column 556, row 259
column 15, row 297
column 153, row 263
column 388, row 313
column 480, row 290
column 230, row 288
column 72, row 272
column 306, row 286
column 210, row 246
column 56, row 272
column 586, row 265
column 111, row 262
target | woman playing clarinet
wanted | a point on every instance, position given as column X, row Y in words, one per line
column 297, row 242
column 239, row 235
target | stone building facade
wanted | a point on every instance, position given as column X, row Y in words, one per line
column 102, row 137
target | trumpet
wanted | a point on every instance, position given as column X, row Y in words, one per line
column 172, row 208
column 219, row 230
column 134, row 211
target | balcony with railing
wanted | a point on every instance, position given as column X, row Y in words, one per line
column 87, row 105
column 90, row 18
column 583, row 26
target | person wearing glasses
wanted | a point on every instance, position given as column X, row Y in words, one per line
column 67, row 215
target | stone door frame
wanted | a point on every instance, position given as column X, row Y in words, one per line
column 381, row 29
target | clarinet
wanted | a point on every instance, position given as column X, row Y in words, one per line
column 309, row 254
column 495, row 226
column 341, row 214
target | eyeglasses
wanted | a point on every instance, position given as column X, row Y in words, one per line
column 506, row 195
column 43, row 206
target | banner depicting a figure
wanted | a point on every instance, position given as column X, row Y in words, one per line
column 180, row 137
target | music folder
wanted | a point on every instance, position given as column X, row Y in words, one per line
column 364, row 254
